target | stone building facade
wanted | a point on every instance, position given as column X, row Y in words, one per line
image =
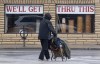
column 13, row 40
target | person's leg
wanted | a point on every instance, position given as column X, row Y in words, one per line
column 47, row 54
column 45, row 46
column 41, row 56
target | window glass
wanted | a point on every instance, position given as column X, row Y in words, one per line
column 16, row 23
column 75, row 23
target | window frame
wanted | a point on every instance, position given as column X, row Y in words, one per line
column 56, row 21
column 6, row 22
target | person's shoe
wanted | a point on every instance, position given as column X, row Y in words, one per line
column 48, row 59
column 41, row 59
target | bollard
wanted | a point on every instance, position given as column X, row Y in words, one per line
column 24, row 34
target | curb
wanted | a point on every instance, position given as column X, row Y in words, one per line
column 40, row 48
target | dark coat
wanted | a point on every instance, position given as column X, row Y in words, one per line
column 45, row 29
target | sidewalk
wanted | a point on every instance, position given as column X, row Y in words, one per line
column 30, row 56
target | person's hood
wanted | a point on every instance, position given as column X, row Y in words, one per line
column 47, row 16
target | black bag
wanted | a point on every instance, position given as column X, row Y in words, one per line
column 66, row 49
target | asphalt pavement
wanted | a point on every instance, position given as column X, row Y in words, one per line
column 30, row 56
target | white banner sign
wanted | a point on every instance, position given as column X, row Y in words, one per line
column 75, row 9
column 24, row 9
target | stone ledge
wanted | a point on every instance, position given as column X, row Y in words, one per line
column 71, row 46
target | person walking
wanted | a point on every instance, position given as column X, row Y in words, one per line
column 45, row 30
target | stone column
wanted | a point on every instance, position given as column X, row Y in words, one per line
column 71, row 26
column 63, row 25
column 79, row 24
column 88, row 23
